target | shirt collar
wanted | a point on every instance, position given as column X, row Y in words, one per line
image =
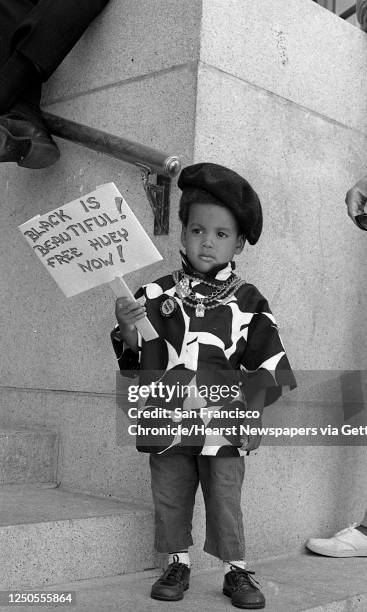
column 220, row 273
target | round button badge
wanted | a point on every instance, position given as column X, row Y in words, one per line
column 168, row 307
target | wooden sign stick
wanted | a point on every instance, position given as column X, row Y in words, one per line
column 144, row 326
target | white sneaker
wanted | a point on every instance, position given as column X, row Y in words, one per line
column 349, row 542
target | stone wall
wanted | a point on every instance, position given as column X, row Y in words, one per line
column 273, row 90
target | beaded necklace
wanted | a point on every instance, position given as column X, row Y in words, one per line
column 189, row 297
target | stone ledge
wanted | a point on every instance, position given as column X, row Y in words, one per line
column 52, row 535
column 292, row 584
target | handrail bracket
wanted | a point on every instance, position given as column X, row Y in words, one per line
column 157, row 167
column 157, row 188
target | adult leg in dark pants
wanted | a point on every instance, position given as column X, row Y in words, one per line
column 35, row 36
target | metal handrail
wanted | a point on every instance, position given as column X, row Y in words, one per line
column 114, row 146
column 348, row 12
column 150, row 161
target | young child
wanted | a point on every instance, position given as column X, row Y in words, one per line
column 215, row 332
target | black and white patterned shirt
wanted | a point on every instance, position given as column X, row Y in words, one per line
column 233, row 346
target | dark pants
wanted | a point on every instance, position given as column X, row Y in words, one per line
column 175, row 480
column 44, row 31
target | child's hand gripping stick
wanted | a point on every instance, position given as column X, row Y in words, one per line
column 144, row 326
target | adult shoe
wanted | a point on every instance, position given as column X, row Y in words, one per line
column 349, row 542
column 26, row 141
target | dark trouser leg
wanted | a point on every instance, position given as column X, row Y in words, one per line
column 12, row 13
column 174, row 484
column 363, row 525
column 51, row 29
column 18, row 77
column 35, row 36
column 221, row 480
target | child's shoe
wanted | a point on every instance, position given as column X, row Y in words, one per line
column 243, row 589
column 173, row 582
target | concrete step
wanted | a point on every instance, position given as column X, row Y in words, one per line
column 52, row 535
column 27, row 455
column 293, row 584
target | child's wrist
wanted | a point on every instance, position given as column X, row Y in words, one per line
column 126, row 327
column 129, row 335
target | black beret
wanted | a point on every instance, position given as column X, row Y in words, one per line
column 208, row 183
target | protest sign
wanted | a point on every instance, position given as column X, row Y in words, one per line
column 90, row 241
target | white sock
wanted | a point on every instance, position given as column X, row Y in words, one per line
column 182, row 557
column 227, row 565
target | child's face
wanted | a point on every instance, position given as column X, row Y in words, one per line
column 211, row 236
